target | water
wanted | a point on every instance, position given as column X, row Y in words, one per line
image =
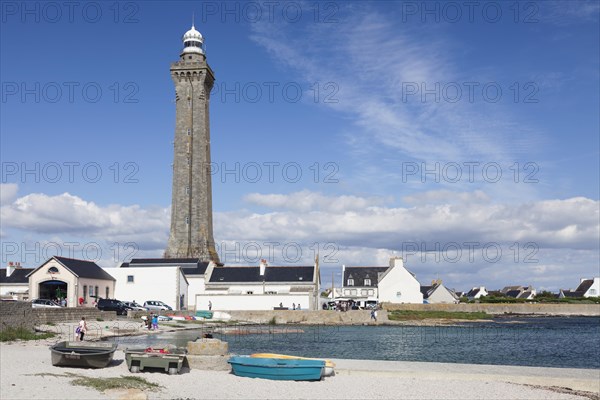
column 549, row 342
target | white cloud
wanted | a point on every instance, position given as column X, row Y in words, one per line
column 8, row 193
column 306, row 200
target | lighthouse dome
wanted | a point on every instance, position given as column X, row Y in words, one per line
column 193, row 42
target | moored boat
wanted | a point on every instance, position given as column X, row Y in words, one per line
column 277, row 368
column 82, row 354
column 329, row 365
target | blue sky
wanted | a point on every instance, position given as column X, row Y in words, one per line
column 444, row 135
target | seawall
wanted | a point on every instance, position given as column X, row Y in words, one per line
column 588, row 310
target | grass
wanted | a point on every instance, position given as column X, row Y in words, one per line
column 404, row 315
column 99, row 319
column 102, row 384
column 124, row 382
column 10, row 334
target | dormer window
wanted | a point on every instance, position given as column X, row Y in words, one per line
column 367, row 282
column 350, row 282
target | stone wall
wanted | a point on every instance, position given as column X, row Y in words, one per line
column 55, row 315
column 355, row 317
column 525, row 309
column 16, row 314
column 20, row 314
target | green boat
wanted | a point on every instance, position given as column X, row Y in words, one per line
column 82, row 354
column 168, row 359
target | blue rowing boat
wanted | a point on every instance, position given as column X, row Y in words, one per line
column 277, row 368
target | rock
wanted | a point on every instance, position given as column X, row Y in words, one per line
column 208, row 347
column 209, row 363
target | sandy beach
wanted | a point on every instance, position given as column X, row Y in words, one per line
column 27, row 373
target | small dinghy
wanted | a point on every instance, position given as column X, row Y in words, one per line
column 277, row 368
column 82, row 354
column 327, row 371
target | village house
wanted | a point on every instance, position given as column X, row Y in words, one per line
column 393, row 284
column 476, row 292
column 80, row 282
column 438, row 293
column 518, row 292
column 586, row 288
column 14, row 284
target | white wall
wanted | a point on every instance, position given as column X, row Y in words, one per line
column 246, row 302
column 442, row 295
column 155, row 283
column 196, row 286
column 398, row 285
column 594, row 290
column 6, row 289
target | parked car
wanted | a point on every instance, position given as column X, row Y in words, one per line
column 113, row 305
column 134, row 306
column 157, row 305
column 44, row 303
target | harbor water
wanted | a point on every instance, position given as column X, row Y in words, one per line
column 567, row 342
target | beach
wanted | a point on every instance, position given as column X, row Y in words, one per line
column 27, row 373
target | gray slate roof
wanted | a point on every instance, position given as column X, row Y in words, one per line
column 19, row 276
column 190, row 266
column 272, row 274
column 81, row 268
column 585, row 285
column 359, row 274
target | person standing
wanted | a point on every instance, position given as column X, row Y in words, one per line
column 82, row 328
column 155, row 322
column 209, row 305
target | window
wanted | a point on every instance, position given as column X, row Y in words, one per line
column 129, row 278
column 353, row 292
column 96, row 291
column 189, row 132
column 350, row 282
column 367, row 282
column 107, row 292
column 592, row 292
column 187, row 220
column 363, row 292
column 91, row 291
column 53, row 270
column 371, row 292
column 84, row 293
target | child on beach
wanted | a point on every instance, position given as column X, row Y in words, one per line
column 154, row 321
column 82, row 328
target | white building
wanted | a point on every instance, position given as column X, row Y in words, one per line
column 586, row 288
column 260, row 288
column 477, row 292
column 166, row 284
column 437, row 293
column 14, row 283
column 80, row 281
column 392, row 284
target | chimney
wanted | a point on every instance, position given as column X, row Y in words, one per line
column 263, row 266
column 396, row 262
column 10, row 268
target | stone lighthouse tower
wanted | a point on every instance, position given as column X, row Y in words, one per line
column 191, row 209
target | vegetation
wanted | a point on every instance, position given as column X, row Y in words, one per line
column 272, row 321
column 408, row 315
column 99, row 319
column 10, row 334
column 124, row 382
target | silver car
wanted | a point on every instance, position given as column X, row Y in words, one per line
column 134, row 306
column 157, row 305
column 44, row 303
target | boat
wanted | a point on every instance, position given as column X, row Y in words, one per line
column 329, row 365
column 82, row 354
column 168, row 358
column 277, row 368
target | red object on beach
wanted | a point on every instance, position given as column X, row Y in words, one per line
column 152, row 350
